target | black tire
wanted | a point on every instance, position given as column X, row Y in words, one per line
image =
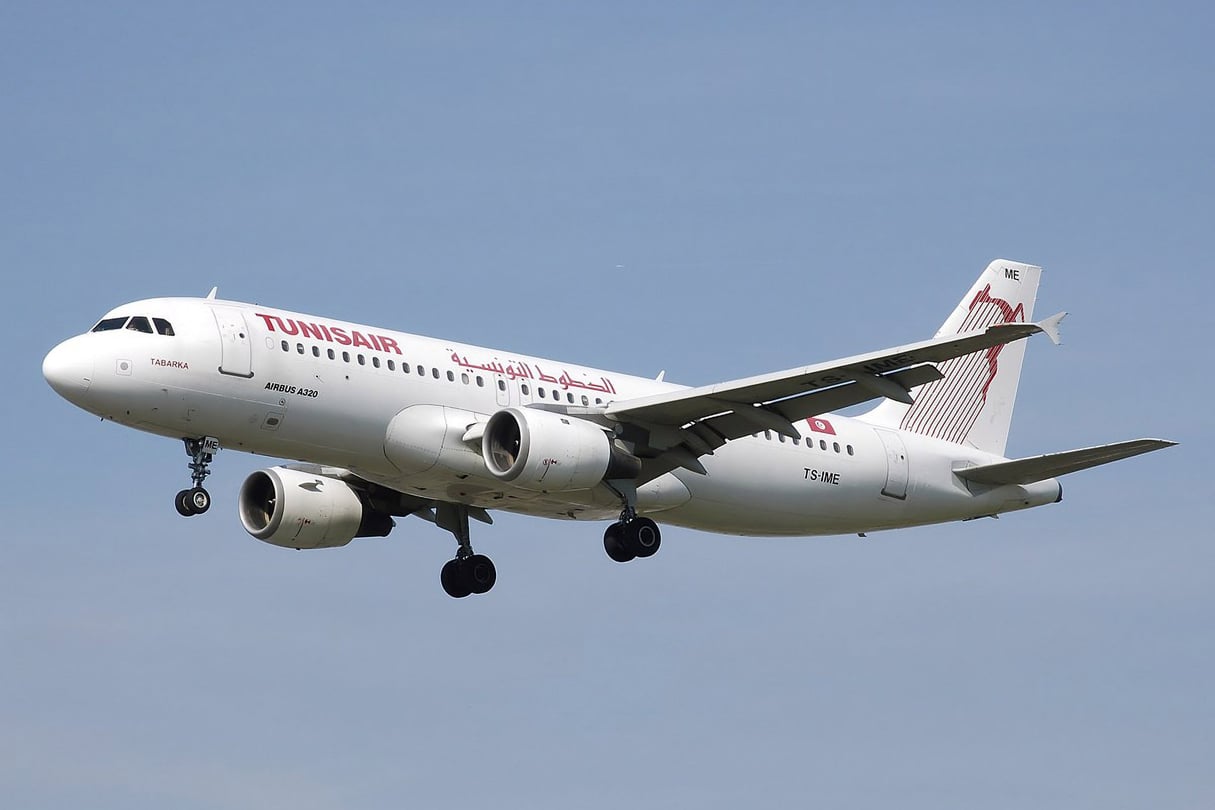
column 182, row 502
column 615, row 545
column 643, row 536
column 479, row 573
column 454, row 582
column 200, row 500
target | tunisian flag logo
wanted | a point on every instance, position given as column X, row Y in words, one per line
column 820, row 425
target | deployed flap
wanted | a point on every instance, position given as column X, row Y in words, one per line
column 1051, row 465
column 689, row 405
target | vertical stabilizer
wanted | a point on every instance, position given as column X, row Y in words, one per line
column 973, row 403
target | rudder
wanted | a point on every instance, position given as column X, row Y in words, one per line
column 972, row 403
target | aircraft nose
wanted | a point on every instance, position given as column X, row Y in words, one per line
column 69, row 369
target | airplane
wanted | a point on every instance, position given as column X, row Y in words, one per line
column 383, row 424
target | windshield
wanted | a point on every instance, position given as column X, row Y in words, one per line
column 137, row 323
column 110, row 324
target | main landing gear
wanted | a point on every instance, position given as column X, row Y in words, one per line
column 631, row 537
column 468, row 573
column 196, row 500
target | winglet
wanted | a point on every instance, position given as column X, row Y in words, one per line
column 211, row 295
column 1051, row 326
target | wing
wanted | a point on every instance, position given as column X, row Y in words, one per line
column 674, row 429
column 1040, row 468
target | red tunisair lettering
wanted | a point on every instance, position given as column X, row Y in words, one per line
column 329, row 334
column 311, row 330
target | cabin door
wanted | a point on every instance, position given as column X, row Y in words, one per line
column 896, row 464
column 236, row 348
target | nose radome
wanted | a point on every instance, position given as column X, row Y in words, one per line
column 69, row 369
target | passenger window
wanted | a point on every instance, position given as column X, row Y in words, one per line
column 110, row 324
column 316, row 351
column 362, row 360
column 299, row 347
column 434, row 372
column 598, row 401
column 421, row 371
column 822, row 443
column 540, row 393
column 585, row 401
column 332, row 355
column 526, row 391
column 836, row 445
column 797, row 440
column 405, row 367
column 780, row 437
column 501, row 385
column 768, row 435
column 286, row 346
column 392, row 366
column 480, row 381
column 140, row 324
column 850, row 450
column 163, row 327
column 451, row 377
column 375, row 361
column 464, row 377
column 345, row 357
column 556, row 394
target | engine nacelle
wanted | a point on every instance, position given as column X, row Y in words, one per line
column 295, row 509
column 542, row 450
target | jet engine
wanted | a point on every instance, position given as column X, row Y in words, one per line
column 296, row 509
column 546, row 451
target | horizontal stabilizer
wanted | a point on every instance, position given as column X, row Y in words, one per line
column 1051, row 465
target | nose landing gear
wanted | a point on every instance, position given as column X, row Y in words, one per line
column 196, row 500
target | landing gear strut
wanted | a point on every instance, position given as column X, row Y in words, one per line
column 631, row 536
column 468, row 573
column 196, row 500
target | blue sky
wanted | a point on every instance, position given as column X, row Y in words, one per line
column 708, row 189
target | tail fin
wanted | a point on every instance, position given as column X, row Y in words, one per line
column 973, row 403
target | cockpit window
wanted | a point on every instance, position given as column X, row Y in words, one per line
column 163, row 326
column 140, row 324
column 110, row 324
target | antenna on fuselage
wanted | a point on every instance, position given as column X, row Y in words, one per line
column 211, row 295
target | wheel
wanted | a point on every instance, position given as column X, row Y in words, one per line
column 182, row 502
column 479, row 573
column 614, row 544
column 643, row 536
column 200, row 500
column 454, row 582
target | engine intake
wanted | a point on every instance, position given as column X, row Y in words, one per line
column 295, row 509
column 545, row 451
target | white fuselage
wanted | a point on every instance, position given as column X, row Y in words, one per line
column 295, row 386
